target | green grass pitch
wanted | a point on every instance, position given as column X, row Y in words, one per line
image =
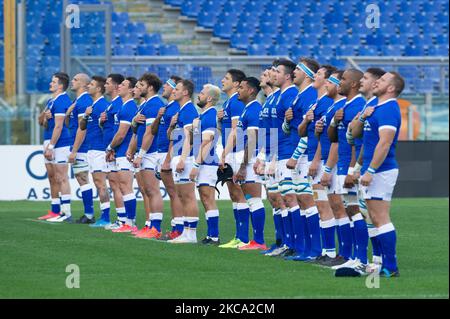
column 35, row 255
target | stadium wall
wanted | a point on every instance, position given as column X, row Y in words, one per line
column 423, row 172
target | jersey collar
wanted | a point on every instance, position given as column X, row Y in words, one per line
column 209, row 108
column 357, row 96
column 59, row 95
column 84, row 93
column 292, row 86
column 101, row 97
column 250, row 103
column 185, row 104
column 128, row 101
column 152, row 97
column 389, row 100
column 306, row 88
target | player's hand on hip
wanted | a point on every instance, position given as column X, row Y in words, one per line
column 137, row 162
column 49, row 154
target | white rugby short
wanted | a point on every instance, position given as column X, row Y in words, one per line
column 300, row 179
column 61, row 154
column 207, row 175
column 123, row 164
column 183, row 177
column 284, row 177
column 382, row 186
column 97, row 161
column 81, row 163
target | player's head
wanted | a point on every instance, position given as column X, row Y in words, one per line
column 333, row 82
column 97, row 85
column 265, row 79
column 368, row 80
column 249, row 89
column 149, row 84
column 284, row 73
column 306, row 69
column 390, row 84
column 137, row 91
column 350, row 82
column 127, row 86
column 169, row 86
column 322, row 75
column 80, row 82
column 183, row 91
column 59, row 83
column 112, row 83
column 210, row 95
column 273, row 72
column 232, row 79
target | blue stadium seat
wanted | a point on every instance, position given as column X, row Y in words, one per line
column 80, row 49
column 301, row 51
column 333, row 17
column 421, row 40
column 233, row 6
column 98, row 50
column 257, row 49
column 279, row 50
column 259, row 38
column 431, row 28
column 175, row 3
column 392, row 50
column 310, row 40
column 223, row 30
column 398, row 40
column 285, row 39
column 325, row 51
column 442, row 17
column 190, row 9
column 368, row 51
column 408, row 28
column 414, row 51
column 346, row 50
column 240, row 41
column 168, row 49
column 123, row 49
column 207, row 19
column 291, row 28
column 350, row 40
column 152, row 38
column 329, row 40
column 442, row 39
column 375, row 39
column 129, row 38
column 337, row 29
column 295, row 6
column 316, row 28
column 147, row 50
column 438, row 50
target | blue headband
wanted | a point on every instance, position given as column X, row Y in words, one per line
column 334, row 80
column 171, row 83
column 307, row 70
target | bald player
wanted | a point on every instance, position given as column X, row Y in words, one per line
column 79, row 148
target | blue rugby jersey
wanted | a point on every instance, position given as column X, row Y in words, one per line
column 351, row 108
column 108, row 127
column 81, row 103
column 373, row 101
column 125, row 115
column 325, row 143
column 385, row 116
column 320, row 109
column 58, row 107
column 232, row 109
column 163, row 142
column 207, row 123
column 186, row 116
column 302, row 103
column 150, row 110
column 248, row 120
column 285, row 101
column 265, row 122
column 94, row 133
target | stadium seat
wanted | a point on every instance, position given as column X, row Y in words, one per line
column 223, row 30
column 310, row 40
column 414, row 51
column 257, row 49
column 347, row 50
column 240, row 41
column 147, row 50
column 279, row 50
column 169, row 49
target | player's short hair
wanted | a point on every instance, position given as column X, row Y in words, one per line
column 152, row 80
column 176, row 78
column 338, row 74
column 329, row 69
column 398, row 82
column 289, row 66
column 253, row 83
column 310, row 63
column 376, row 72
column 63, row 78
column 100, row 82
column 132, row 80
column 189, row 86
column 116, row 78
column 276, row 62
column 213, row 92
column 236, row 75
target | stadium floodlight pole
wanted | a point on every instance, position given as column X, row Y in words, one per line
column 21, row 45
